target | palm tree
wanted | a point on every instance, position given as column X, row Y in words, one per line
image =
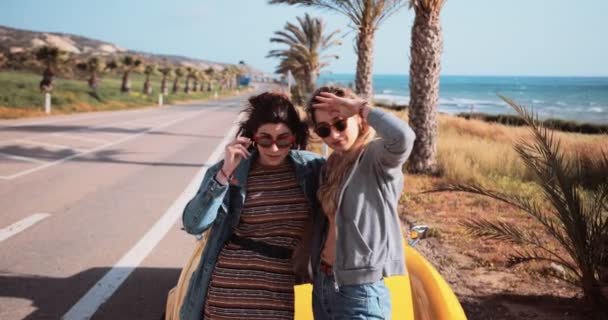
column 235, row 73
column 577, row 217
column 210, row 72
column 166, row 72
column 195, row 82
column 93, row 66
column 179, row 72
column 150, row 70
column 199, row 80
column 202, row 78
column 295, row 66
column 304, row 55
column 425, row 66
column 52, row 58
column 366, row 16
column 189, row 75
column 129, row 64
column 111, row 65
column 21, row 60
column 227, row 75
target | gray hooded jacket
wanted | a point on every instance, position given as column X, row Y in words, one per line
column 369, row 240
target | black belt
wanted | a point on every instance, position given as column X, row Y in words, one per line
column 262, row 248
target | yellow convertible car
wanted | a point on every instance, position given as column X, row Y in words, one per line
column 420, row 295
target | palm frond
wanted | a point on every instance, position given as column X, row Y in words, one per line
column 431, row 7
column 305, row 41
column 522, row 256
column 576, row 218
column 508, row 232
column 496, row 230
column 354, row 10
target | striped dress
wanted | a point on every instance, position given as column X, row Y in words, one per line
column 246, row 284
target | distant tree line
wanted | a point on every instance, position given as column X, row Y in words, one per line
column 52, row 62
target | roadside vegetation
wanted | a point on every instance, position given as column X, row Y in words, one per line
column 78, row 84
column 21, row 97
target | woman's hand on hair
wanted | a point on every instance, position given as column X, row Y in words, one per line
column 344, row 107
column 234, row 153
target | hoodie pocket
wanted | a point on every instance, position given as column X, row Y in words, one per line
column 355, row 251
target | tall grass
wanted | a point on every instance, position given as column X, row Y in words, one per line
column 474, row 151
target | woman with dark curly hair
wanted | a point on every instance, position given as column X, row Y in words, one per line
column 258, row 204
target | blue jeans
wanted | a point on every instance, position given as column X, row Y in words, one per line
column 350, row 302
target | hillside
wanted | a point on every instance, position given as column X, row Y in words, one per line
column 15, row 41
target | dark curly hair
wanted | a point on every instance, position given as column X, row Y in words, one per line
column 273, row 107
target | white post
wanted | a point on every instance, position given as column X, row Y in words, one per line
column 160, row 99
column 215, row 95
column 47, row 103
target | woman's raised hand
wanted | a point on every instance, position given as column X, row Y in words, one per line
column 234, row 153
column 344, row 107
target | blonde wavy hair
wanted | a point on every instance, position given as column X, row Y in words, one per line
column 339, row 164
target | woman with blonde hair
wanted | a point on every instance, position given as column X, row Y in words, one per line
column 358, row 240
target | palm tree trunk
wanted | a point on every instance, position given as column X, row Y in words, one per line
column 48, row 76
column 176, row 85
column 309, row 84
column 126, row 84
column 163, row 84
column 593, row 294
column 93, row 82
column 425, row 67
column 147, row 86
column 187, row 88
column 365, row 55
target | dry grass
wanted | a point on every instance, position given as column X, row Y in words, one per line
column 480, row 152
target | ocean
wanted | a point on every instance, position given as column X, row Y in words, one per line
column 582, row 99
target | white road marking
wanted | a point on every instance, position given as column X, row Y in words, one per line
column 22, row 159
column 86, row 307
column 49, row 145
column 69, row 136
column 19, row 226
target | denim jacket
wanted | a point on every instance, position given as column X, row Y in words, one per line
column 217, row 209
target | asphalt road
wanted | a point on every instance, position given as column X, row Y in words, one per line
column 90, row 207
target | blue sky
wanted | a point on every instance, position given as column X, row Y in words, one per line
column 481, row 37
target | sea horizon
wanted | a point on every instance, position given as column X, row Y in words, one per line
column 575, row 98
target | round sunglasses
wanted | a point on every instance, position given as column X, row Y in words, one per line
column 281, row 142
column 323, row 130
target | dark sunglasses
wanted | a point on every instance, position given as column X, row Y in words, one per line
column 281, row 143
column 323, row 130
